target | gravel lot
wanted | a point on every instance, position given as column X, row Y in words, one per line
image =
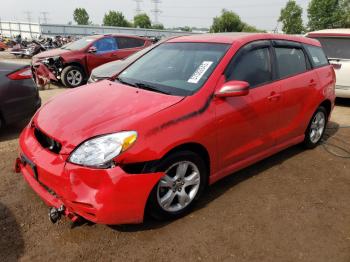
column 294, row 206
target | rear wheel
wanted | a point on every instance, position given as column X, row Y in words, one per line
column 316, row 128
column 184, row 181
column 72, row 76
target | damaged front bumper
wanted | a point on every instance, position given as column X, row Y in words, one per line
column 46, row 71
column 105, row 196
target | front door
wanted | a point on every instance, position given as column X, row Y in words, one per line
column 246, row 124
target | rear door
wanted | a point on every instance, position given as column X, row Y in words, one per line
column 298, row 87
column 105, row 52
column 127, row 46
column 246, row 124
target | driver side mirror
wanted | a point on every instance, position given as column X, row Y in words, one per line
column 92, row 49
column 233, row 89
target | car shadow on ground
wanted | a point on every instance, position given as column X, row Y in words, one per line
column 12, row 131
column 11, row 240
column 219, row 188
column 342, row 102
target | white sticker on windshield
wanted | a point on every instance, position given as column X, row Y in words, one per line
column 200, row 72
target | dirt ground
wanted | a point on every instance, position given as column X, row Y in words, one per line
column 294, row 206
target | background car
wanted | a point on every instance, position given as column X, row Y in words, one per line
column 111, row 69
column 336, row 44
column 19, row 96
column 73, row 63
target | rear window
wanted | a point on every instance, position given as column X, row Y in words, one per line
column 127, row 42
column 318, row 58
column 336, row 47
column 290, row 61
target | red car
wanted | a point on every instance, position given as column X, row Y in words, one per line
column 73, row 63
column 184, row 115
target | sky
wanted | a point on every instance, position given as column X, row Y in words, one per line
column 198, row 13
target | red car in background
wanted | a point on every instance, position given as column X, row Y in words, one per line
column 73, row 63
column 189, row 112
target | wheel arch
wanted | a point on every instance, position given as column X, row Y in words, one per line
column 195, row 148
column 327, row 104
column 78, row 64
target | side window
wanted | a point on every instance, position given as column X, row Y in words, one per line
column 290, row 61
column 253, row 67
column 318, row 58
column 105, row 45
column 128, row 42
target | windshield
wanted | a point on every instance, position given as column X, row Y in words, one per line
column 175, row 68
column 79, row 44
column 336, row 47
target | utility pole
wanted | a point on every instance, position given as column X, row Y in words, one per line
column 156, row 11
column 29, row 19
column 138, row 6
column 44, row 14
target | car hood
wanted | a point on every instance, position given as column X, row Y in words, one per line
column 51, row 53
column 96, row 109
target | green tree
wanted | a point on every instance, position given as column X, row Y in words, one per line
column 186, row 29
column 231, row 22
column 324, row 14
column 158, row 26
column 81, row 17
column 142, row 21
column 291, row 18
column 228, row 22
column 113, row 18
column 251, row 29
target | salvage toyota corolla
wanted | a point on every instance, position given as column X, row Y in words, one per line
column 187, row 113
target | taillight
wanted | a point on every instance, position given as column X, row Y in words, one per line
column 24, row 73
column 336, row 66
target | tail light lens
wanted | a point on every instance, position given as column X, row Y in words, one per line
column 336, row 66
column 24, row 73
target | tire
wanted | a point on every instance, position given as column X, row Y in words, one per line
column 181, row 197
column 316, row 128
column 2, row 122
column 72, row 76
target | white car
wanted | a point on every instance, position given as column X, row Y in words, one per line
column 336, row 44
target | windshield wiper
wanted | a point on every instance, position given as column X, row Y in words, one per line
column 150, row 88
column 125, row 82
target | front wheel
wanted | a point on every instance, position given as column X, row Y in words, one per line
column 184, row 181
column 316, row 128
column 72, row 76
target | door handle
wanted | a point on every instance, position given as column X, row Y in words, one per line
column 274, row 96
column 312, row 83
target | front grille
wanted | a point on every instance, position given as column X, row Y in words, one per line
column 47, row 142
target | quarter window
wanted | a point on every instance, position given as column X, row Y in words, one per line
column 290, row 61
column 128, row 42
column 318, row 58
column 253, row 67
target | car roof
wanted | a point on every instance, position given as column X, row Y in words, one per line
column 339, row 32
column 230, row 38
column 120, row 35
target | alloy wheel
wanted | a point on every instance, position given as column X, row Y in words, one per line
column 74, row 77
column 179, row 187
column 317, row 127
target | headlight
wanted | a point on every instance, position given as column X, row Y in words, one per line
column 100, row 151
column 47, row 60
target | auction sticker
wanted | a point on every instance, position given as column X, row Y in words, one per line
column 200, row 72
